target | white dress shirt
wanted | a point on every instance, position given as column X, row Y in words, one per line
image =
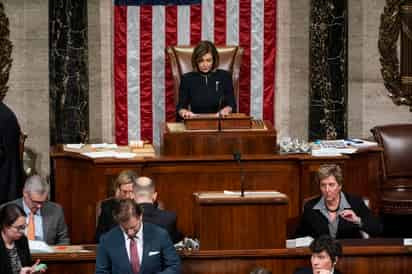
column 139, row 241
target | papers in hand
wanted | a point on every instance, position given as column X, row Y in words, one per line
column 39, row 247
column 299, row 242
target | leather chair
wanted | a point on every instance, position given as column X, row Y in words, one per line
column 229, row 59
column 396, row 188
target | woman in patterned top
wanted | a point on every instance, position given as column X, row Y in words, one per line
column 14, row 248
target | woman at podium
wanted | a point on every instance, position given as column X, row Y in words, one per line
column 206, row 89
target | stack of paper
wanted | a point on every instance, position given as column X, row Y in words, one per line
column 299, row 242
column 39, row 247
column 361, row 143
column 104, row 146
column 109, row 154
column 255, row 193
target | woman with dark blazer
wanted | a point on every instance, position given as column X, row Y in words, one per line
column 14, row 248
column 336, row 213
column 206, row 89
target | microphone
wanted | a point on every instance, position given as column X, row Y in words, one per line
column 219, row 113
column 237, row 156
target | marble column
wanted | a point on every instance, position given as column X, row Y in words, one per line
column 69, row 76
column 328, row 69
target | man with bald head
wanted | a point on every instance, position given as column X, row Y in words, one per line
column 146, row 196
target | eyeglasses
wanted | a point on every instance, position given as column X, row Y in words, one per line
column 20, row 228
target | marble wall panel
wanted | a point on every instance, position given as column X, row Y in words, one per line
column 69, row 73
column 29, row 84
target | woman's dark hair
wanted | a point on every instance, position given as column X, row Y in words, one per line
column 9, row 214
column 200, row 50
column 125, row 210
column 326, row 243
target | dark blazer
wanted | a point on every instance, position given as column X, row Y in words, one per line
column 11, row 169
column 159, row 254
column 314, row 224
column 151, row 214
column 54, row 226
column 308, row 270
column 163, row 218
column 22, row 249
column 206, row 93
column 105, row 220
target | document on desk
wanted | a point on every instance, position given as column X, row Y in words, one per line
column 109, row 154
column 69, row 249
column 73, row 146
column 39, row 247
column 255, row 193
column 99, row 154
column 299, row 242
column 333, row 151
column 104, row 146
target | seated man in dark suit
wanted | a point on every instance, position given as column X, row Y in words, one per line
column 45, row 219
column 325, row 254
column 124, row 185
column 134, row 246
column 146, row 195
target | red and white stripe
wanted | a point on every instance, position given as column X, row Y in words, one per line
column 142, row 75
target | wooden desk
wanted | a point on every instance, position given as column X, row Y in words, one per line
column 260, row 139
column 363, row 257
column 81, row 182
column 224, row 222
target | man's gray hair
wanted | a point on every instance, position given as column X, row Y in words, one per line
column 36, row 184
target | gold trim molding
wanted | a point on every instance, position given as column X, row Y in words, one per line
column 5, row 53
column 389, row 31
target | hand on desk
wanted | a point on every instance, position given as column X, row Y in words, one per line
column 225, row 111
column 186, row 113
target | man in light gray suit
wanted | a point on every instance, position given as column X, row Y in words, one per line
column 45, row 219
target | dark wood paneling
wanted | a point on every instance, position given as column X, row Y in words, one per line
column 361, row 259
column 224, row 223
column 81, row 182
column 190, row 143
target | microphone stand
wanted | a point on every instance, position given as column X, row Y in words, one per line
column 219, row 113
column 237, row 156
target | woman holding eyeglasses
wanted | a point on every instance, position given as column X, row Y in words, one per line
column 15, row 255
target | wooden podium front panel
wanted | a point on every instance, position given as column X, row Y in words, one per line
column 361, row 258
column 240, row 222
column 201, row 143
column 81, row 182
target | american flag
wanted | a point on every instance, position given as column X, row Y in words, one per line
column 142, row 75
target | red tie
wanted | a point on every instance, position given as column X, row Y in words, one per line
column 134, row 256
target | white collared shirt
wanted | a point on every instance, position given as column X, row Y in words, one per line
column 38, row 222
column 138, row 239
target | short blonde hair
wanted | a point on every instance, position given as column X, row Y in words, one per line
column 328, row 170
column 125, row 177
